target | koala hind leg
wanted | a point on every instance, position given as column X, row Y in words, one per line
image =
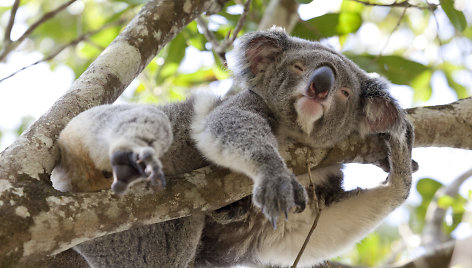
column 142, row 135
column 125, row 141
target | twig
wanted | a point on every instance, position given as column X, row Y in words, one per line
column 11, row 21
column 404, row 4
column 437, row 23
column 210, row 37
column 71, row 43
column 318, row 209
column 227, row 42
column 220, row 48
column 49, row 15
column 393, row 31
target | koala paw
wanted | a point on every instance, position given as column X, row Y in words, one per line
column 278, row 195
column 129, row 166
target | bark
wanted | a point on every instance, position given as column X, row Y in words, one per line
column 25, row 166
column 444, row 125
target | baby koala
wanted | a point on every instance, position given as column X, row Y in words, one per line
column 292, row 88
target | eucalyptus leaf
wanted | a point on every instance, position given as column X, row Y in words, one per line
column 456, row 17
column 396, row 68
column 328, row 25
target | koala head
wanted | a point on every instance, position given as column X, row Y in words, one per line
column 317, row 94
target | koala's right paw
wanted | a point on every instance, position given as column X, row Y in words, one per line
column 129, row 166
column 276, row 195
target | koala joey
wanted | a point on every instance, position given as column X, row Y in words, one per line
column 294, row 89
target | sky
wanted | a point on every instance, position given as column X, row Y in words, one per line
column 33, row 91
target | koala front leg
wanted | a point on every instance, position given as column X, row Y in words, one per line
column 243, row 141
column 360, row 211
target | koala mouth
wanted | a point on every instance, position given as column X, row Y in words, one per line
column 309, row 110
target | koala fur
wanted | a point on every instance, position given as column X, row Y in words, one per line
column 293, row 89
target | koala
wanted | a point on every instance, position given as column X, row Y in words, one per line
column 292, row 89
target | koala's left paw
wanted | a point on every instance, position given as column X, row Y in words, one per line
column 129, row 166
column 276, row 195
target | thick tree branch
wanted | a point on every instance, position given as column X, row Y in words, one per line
column 447, row 125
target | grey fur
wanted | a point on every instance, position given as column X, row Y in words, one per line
column 293, row 89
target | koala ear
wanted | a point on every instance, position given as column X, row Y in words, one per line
column 380, row 112
column 261, row 52
column 257, row 51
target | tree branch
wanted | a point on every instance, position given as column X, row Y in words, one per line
column 49, row 15
column 432, row 232
column 447, row 125
column 393, row 31
column 11, row 21
column 404, row 4
column 282, row 13
column 220, row 48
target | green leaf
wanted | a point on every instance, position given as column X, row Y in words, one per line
column 396, row 68
column 104, row 37
column 328, row 25
column 193, row 37
column 422, row 86
column 456, row 17
column 176, row 50
column 351, row 6
column 456, row 206
column 427, row 188
column 372, row 250
column 304, row 1
column 460, row 90
column 167, row 71
column 133, row 2
column 176, row 94
column 87, row 51
column 194, row 79
column 445, row 201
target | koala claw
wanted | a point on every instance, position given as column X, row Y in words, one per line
column 279, row 195
column 129, row 166
column 273, row 221
column 300, row 196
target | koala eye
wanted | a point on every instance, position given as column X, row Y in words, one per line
column 298, row 68
column 346, row 93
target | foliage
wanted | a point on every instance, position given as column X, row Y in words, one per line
column 400, row 54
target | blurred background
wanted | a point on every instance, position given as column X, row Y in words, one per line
column 423, row 47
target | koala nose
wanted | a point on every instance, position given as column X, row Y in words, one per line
column 321, row 82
